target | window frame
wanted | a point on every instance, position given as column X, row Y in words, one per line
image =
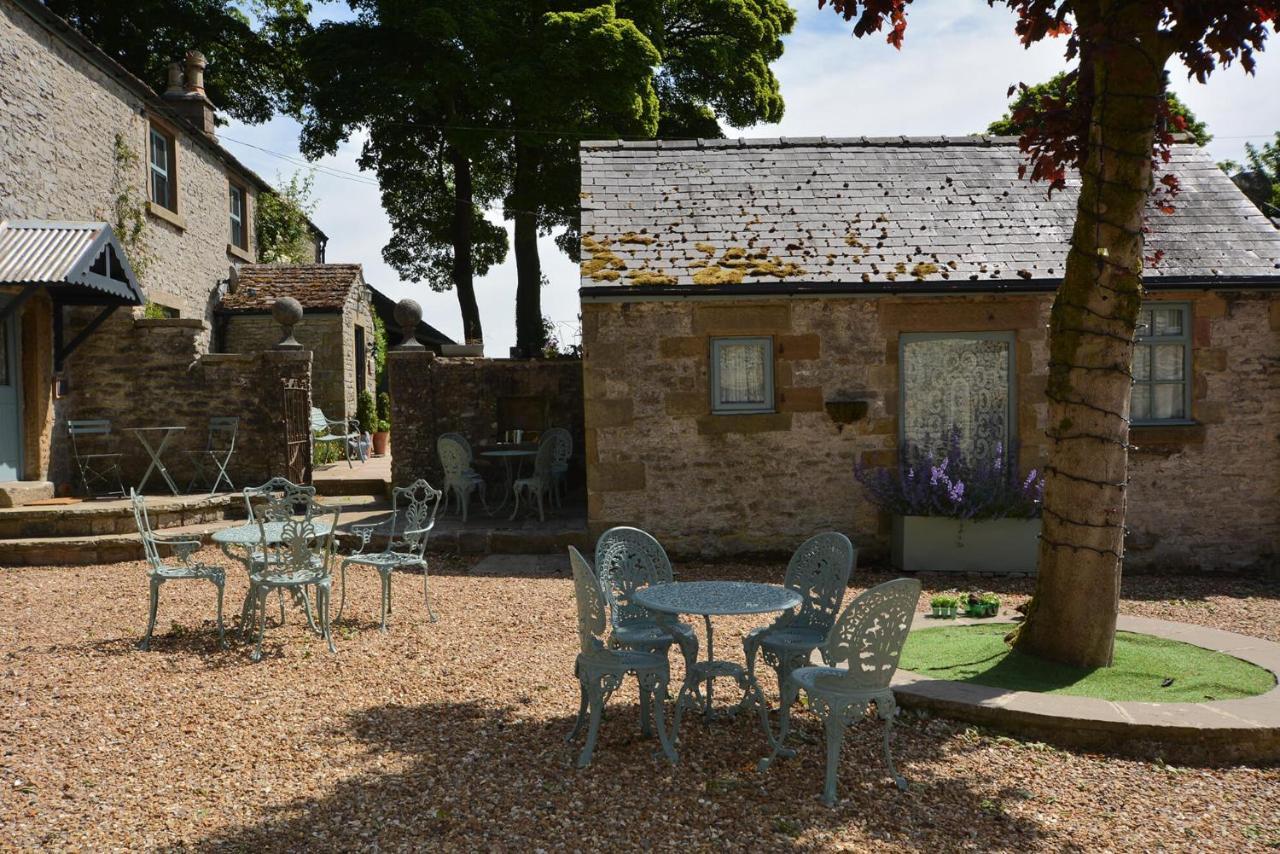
column 1185, row 339
column 236, row 187
column 769, row 405
column 170, row 170
column 1007, row 335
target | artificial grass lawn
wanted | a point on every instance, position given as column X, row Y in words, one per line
column 1142, row 663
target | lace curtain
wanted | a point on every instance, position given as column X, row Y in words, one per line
column 741, row 373
column 956, row 382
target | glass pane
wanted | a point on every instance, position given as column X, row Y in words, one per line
column 159, row 153
column 4, row 353
column 1169, row 362
column 1167, row 401
column 956, row 383
column 741, row 373
column 159, row 189
column 1141, row 363
column 1168, row 322
column 1140, row 403
column 1144, row 323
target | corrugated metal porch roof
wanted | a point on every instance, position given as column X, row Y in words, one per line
column 45, row 252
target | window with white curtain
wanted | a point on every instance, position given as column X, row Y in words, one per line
column 1161, row 365
column 962, row 381
column 741, row 375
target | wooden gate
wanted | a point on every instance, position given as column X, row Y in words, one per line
column 297, row 430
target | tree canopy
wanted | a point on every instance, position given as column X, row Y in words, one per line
column 282, row 219
column 252, row 63
column 1259, row 176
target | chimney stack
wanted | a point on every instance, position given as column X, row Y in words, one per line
column 185, row 93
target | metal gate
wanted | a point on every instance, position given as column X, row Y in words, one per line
column 297, row 429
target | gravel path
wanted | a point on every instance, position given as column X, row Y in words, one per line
column 451, row 734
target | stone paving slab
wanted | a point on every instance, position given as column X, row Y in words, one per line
column 1246, row 729
column 523, row 565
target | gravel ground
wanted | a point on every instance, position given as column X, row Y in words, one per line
column 451, row 734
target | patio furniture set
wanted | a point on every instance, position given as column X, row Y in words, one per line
column 633, row 595
column 546, row 482
column 290, row 546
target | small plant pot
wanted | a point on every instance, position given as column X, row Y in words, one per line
column 976, row 611
column 939, row 611
column 992, row 609
column 950, row 612
column 381, row 440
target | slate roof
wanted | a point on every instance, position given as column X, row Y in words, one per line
column 319, row 287
column 796, row 213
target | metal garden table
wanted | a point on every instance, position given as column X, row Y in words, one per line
column 238, row 543
column 155, row 452
column 511, row 458
column 712, row 599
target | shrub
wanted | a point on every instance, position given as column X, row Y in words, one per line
column 366, row 414
column 953, row 486
column 384, row 412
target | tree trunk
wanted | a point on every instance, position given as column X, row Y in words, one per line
column 529, row 333
column 1072, row 616
column 463, row 272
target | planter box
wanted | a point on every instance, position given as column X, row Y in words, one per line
column 937, row 544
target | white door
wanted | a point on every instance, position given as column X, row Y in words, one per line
column 10, row 399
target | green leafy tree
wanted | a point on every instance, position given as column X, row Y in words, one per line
column 1259, row 175
column 283, row 222
column 1058, row 93
column 253, row 62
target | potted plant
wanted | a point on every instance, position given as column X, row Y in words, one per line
column 952, row 513
column 943, row 606
column 382, row 425
column 991, row 603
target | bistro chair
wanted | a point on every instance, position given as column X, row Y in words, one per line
column 626, row 560
column 303, row 560
column 277, row 500
column 460, row 479
column 563, row 440
column 216, row 455
column 819, row 571
column 417, row 503
column 159, row 570
column 601, row 670
column 96, row 460
column 867, row 640
column 539, row 484
column 325, row 430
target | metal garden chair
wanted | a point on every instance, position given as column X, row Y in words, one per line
column 819, row 571
column 460, row 479
column 867, row 640
column 160, row 570
column 601, row 670
column 277, row 500
column 95, row 462
column 326, row 430
column 417, row 503
column 216, row 454
column 563, row 440
column 628, row 559
column 538, row 484
column 304, row 559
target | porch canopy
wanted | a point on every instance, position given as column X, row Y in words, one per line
column 79, row 263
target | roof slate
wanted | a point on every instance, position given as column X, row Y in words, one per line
column 316, row 286
column 872, row 210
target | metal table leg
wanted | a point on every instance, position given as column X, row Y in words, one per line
column 155, row 460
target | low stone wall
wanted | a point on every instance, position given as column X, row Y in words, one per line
column 149, row 373
column 479, row 398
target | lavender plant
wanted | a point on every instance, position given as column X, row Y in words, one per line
column 951, row 485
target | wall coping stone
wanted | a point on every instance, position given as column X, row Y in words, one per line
column 218, row 358
column 169, row 323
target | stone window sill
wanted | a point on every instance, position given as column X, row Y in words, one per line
column 236, row 252
column 171, row 217
column 1171, row 436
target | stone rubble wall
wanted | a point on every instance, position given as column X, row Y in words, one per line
column 324, row 334
column 1201, row 497
column 431, row 395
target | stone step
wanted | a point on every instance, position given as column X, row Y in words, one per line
column 93, row 518
column 96, row 548
column 356, row 486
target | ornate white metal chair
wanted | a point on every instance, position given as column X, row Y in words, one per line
column 160, row 570
column 563, row 440
column 417, row 504
column 627, row 559
column 460, row 479
column 304, row 559
column 97, row 463
column 819, row 571
column 216, row 454
column 601, row 670
column 277, row 500
column 538, row 485
column 867, row 640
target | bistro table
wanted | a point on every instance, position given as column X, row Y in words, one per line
column 712, row 599
column 239, row 543
column 167, row 433
column 511, row 459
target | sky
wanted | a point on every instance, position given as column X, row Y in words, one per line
column 951, row 78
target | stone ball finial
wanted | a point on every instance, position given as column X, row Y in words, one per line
column 287, row 312
column 408, row 314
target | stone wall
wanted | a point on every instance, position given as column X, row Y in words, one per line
column 729, row 484
column 154, row 374
column 324, row 334
column 432, row 395
column 59, row 116
column 357, row 313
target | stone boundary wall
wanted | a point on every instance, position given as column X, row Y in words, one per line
column 1202, row 496
column 431, row 395
column 152, row 373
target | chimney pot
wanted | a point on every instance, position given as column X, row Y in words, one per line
column 174, row 86
column 195, row 71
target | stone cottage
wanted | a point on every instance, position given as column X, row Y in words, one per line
column 83, row 142
column 760, row 315
column 337, row 324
